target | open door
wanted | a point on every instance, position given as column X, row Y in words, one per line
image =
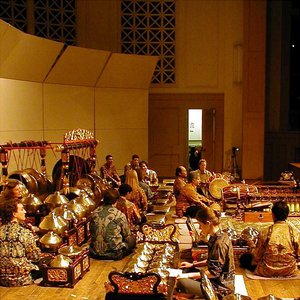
column 168, row 132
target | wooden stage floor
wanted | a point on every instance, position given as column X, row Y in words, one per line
column 91, row 287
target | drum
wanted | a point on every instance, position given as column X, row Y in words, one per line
column 216, row 186
column 238, row 191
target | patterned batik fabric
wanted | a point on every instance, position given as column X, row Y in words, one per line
column 179, row 183
column 17, row 249
column 130, row 211
column 188, row 197
column 220, row 263
column 277, row 257
column 109, row 230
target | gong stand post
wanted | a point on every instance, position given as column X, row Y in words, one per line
column 43, row 153
column 4, row 163
column 65, row 158
column 92, row 159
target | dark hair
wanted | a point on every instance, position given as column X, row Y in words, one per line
column 124, row 189
column 280, row 210
column 143, row 162
column 134, row 156
column 192, row 176
column 108, row 156
column 8, row 190
column 110, row 196
column 178, row 171
column 7, row 209
column 205, row 214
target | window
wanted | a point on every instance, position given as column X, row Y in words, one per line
column 148, row 28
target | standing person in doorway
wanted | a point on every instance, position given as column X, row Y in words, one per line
column 195, row 156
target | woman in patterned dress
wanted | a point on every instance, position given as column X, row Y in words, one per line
column 18, row 249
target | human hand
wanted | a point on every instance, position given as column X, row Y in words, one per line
column 186, row 264
column 250, row 244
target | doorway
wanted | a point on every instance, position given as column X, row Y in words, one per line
column 168, row 131
column 194, row 137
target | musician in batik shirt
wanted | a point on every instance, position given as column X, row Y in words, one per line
column 111, row 237
column 128, row 208
column 180, row 180
column 188, row 196
column 278, row 246
column 18, row 249
column 109, row 172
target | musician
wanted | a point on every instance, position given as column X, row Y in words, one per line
column 144, row 185
column 127, row 207
column 13, row 189
column 150, row 176
column 220, row 259
column 109, row 172
column 188, row 196
column 205, row 177
column 180, row 180
column 111, row 237
column 138, row 196
column 134, row 164
column 277, row 249
column 18, row 246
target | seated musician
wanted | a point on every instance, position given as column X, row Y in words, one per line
column 220, row 260
column 205, row 177
column 138, row 196
column 188, row 195
column 144, row 184
column 111, row 237
column 14, row 189
column 277, row 248
column 180, row 180
column 109, row 172
column 128, row 208
column 150, row 176
column 18, row 246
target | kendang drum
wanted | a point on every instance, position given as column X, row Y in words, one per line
column 236, row 192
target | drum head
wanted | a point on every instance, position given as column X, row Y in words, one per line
column 216, row 186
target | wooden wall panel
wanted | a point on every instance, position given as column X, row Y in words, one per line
column 254, row 89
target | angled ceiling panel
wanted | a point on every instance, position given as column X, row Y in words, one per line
column 78, row 66
column 3, row 28
column 128, row 71
column 26, row 57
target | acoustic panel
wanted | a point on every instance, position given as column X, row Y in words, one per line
column 78, row 66
column 128, row 71
column 26, row 57
column 3, row 28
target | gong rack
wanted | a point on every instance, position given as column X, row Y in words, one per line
column 73, row 140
